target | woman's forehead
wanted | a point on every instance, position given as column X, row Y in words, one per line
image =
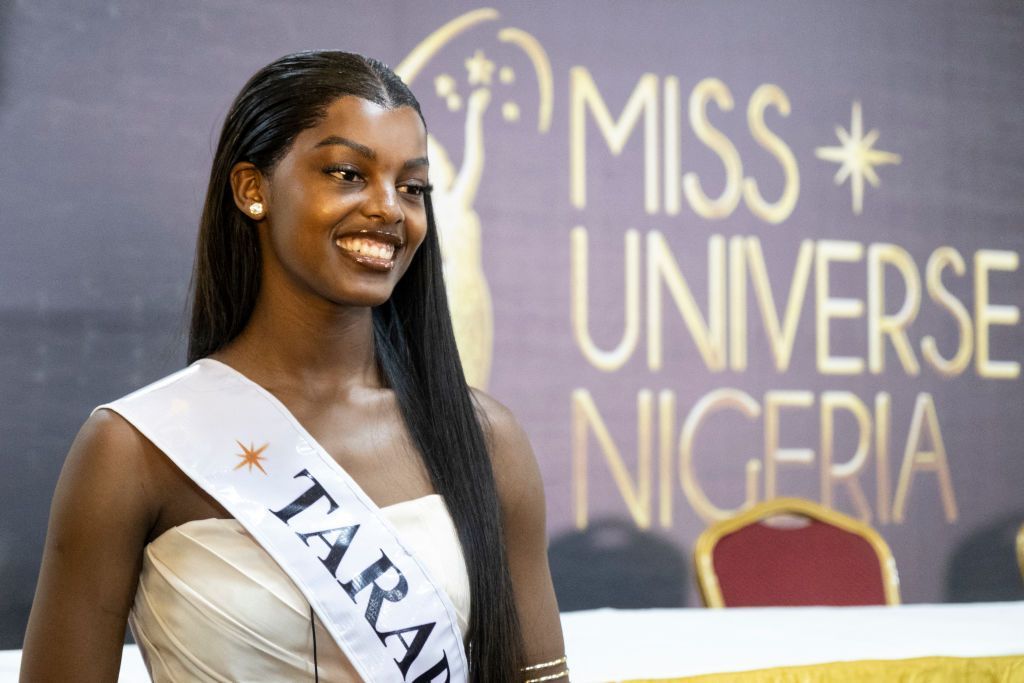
column 381, row 131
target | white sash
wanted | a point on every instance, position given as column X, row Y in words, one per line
column 242, row 446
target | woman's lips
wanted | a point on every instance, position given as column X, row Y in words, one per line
column 368, row 251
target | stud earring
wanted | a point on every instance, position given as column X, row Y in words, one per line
column 256, row 208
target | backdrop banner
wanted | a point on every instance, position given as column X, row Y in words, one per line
column 709, row 253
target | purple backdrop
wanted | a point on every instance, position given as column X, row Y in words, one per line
column 652, row 261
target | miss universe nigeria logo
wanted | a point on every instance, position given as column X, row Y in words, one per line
column 460, row 231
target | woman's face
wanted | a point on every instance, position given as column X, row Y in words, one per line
column 345, row 207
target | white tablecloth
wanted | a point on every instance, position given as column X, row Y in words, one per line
column 607, row 645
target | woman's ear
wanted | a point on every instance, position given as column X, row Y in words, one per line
column 247, row 188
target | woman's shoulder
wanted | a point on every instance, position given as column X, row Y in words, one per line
column 109, row 440
column 107, row 444
column 108, row 448
column 516, row 473
column 505, row 435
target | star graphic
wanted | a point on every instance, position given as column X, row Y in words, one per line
column 479, row 69
column 251, row 456
column 857, row 157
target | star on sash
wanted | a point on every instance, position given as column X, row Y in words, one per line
column 251, row 456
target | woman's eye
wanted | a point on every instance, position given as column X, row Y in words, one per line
column 343, row 173
column 415, row 190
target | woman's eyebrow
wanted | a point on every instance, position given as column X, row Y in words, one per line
column 366, row 152
column 363, row 150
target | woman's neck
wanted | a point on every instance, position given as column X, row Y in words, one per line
column 305, row 345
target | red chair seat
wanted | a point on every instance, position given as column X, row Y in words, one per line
column 823, row 558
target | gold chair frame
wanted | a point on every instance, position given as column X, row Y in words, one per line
column 706, row 542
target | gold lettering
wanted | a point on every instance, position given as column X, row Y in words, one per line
column 883, row 418
column 780, row 336
column 848, row 472
column 768, row 94
column 937, row 262
column 636, row 496
column 580, row 304
column 708, row 336
column 737, row 305
column 666, row 439
column 583, row 94
column 986, row 314
column 672, row 114
column 774, row 402
column 828, row 307
column 723, row 206
column 719, row 399
column 917, row 460
column 894, row 326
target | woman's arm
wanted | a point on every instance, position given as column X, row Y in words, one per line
column 521, row 491
column 99, row 521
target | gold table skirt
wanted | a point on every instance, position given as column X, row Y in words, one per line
column 922, row 670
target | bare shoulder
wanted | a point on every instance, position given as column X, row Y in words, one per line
column 110, row 455
column 515, row 466
column 113, row 466
column 500, row 424
column 109, row 436
column 107, row 444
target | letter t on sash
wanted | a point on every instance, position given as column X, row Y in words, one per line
column 311, row 495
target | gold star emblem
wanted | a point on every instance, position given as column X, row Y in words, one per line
column 251, row 456
column 857, row 157
column 479, row 69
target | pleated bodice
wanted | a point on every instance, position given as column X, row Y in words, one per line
column 212, row 605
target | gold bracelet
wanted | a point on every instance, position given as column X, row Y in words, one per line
column 550, row 677
column 545, row 665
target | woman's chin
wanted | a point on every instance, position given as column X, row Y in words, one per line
column 368, row 298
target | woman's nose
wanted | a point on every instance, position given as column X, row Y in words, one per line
column 382, row 203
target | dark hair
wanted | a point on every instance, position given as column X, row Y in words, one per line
column 413, row 338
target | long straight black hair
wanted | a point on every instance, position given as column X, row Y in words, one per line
column 413, row 339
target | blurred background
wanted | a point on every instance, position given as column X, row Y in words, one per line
column 709, row 253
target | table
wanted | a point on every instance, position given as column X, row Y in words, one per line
column 610, row 645
column 614, row 645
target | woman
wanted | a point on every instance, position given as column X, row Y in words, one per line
column 318, row 290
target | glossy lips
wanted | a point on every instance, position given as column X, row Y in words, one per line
column 375, row 251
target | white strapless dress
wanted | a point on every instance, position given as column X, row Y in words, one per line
column 213, row 606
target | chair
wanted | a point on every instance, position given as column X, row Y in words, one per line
column 790, row 551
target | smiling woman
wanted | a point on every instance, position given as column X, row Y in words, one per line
column 352, row 206
column 360, row 198
column 319, row 491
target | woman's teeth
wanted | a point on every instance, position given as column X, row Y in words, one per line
column 366, row 247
